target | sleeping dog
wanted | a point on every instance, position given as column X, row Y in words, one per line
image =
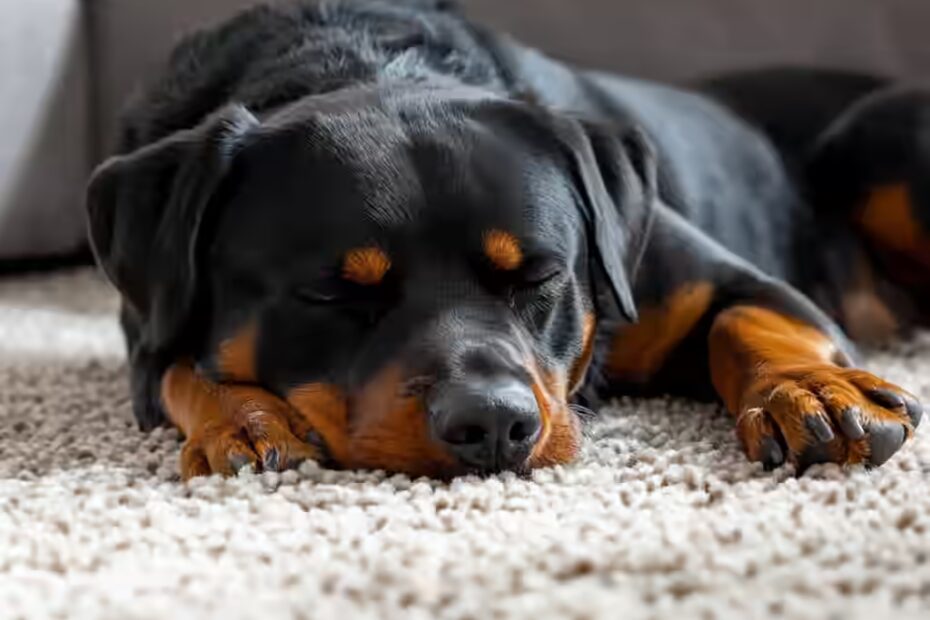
column 377, row 235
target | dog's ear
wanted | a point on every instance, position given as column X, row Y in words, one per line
column 617, row 172
column 145, row 213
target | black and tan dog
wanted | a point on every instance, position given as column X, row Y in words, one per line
column 376, row 234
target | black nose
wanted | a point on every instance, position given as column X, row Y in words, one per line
column 489, row 426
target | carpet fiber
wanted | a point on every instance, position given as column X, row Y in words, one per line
column 662, row 517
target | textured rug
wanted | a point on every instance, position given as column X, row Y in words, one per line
column 662, row 518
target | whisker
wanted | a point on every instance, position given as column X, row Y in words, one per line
column 582, row 412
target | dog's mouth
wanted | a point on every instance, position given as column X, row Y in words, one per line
column 383, row 429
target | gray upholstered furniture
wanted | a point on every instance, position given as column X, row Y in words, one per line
column 66, row 66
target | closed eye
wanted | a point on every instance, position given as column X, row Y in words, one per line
column 537, row 272
column 329, row 289
column 533, row 275
column 319, row 295
column 364, row 303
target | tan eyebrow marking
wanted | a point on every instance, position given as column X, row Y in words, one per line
column 503, row 249
column 365, row 266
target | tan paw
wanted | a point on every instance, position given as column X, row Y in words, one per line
column 823, row 413
column 255, row 429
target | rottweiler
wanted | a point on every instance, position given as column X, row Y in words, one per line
column 378, row 235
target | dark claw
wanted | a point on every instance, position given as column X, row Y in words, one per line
column 850, row 424
column 238, row 461
column 884, row 441
column 915, row 411
column 270, row 462
column 294, row 463
column 819, row 427
column 887, row 398
column 814, row 454
column 772, row 454
column 315, row 439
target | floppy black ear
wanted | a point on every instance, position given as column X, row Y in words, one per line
column 145, row 211
column 618, row 175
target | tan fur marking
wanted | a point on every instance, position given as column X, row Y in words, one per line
column 503, row 250
column 386, row 431
column 560, row 438
column 580, row 367
column 236, row 356
column 749, row 341
column 366, row 266
column 638, row 351
column 887, row 218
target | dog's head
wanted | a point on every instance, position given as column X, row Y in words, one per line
column 420, row 274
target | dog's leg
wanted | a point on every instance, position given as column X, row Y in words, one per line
column 230, row 426
column 793, row 396
column 780, row 366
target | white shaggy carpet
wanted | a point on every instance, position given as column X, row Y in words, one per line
column 663, row 518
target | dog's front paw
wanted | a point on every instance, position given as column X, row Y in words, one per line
column 824, row 413
column 251, row 428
